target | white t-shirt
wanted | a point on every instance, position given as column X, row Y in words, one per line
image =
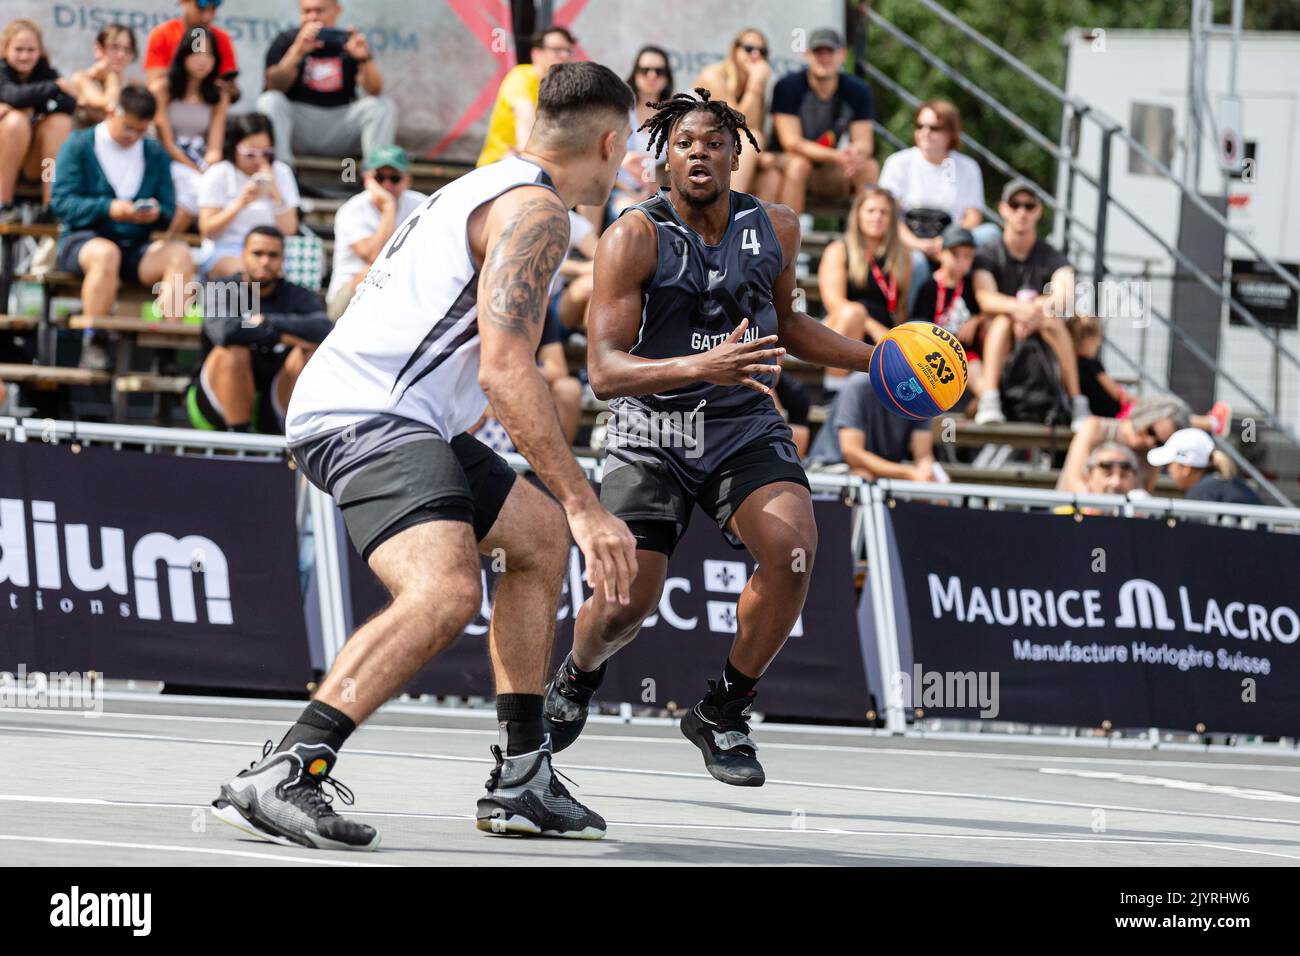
column 123, row 166
column 955, row 185
column 358, row 219
column 223, row 181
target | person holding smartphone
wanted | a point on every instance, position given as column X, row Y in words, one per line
column 250, row 187
column 113, row 189
column 312, row 76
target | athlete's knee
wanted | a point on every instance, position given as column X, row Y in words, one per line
column 544, row 550
column 445, row 607
column 789, row 552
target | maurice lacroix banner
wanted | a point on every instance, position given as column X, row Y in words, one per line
column 1106, row 619
column 819, row 673
column 152, row 567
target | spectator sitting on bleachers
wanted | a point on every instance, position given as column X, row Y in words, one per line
column 36, row 107
column 571, row 293
column 869, row 440
column 741, row 79
column 113, row 188
column 1024, row 286
column 515, row 108
column 947, row 297
column 1151, row 420
column 1111, row 469
column 812, row 111
column 1106, row 396
column 191, row 121
column 366, row 221
column 165, row 38
column 936, row 186
column 1201, row 471
column 97, row 87
column 248, row 188
column 566, row 391
column 863, row 278
column 312, row 75
column 250, row 361
column 652, row 82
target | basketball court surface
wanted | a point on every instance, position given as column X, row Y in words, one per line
column 131, row 787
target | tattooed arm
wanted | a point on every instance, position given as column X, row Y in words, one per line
column 524, row 237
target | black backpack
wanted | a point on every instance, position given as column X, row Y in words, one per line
column 1031, row 384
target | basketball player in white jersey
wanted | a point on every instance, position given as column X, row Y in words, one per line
column 450, row 316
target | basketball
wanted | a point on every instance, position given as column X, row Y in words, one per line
column 918, row 370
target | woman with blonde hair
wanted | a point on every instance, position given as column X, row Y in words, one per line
column 36, row 107
column 741, row 80
column 864, row 277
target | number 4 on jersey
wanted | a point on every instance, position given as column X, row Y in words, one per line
column 749, row 241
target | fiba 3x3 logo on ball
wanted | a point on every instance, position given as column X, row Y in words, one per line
column 918, row 370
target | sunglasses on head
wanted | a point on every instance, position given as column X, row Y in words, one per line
column 204, row 4
column 1018, row 204
column 249, row 153
column 1123, row 467
column 390, row 178
column 652, row 70
column 761, row 50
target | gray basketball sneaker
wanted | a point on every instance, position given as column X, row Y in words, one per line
column 525, row 795
column 280, row 798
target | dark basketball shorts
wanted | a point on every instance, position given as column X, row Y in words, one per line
column 643, row 489
column 387, row 478
column 205, row 411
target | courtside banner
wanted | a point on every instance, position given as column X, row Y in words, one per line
column 1124, row 620
column 151, row 567
column 819, row 673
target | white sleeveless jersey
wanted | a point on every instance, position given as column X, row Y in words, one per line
column 408, row 343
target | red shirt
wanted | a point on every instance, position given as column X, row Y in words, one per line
column 166, row 37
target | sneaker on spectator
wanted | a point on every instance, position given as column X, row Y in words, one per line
column 94, row 356
column 990, row 409
column 10, row 213
column 1080, row 412
column 1221, row 412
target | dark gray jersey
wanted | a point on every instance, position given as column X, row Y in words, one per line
column 695, row 299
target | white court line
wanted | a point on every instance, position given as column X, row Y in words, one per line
column 173, row 848
column 856, row 788
column 767, row 745
column 642, row 825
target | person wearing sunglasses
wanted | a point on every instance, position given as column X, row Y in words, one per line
column 368, row 220
column 741, row 79
column 1151, row 420
column 1026, row 287
column 652, row 82
column 515, row 109
column 249, row 187
column 166, row 38
column 324, row 92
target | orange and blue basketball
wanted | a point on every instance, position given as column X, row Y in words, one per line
column 918, row 370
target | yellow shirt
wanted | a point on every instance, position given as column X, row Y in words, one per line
column 520, row 83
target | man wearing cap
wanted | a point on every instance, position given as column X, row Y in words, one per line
column 1025, row 287
column 1201, row 472
column 947, row 297
column 366, row 221
column 812, row 113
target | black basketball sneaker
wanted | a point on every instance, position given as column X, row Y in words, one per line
column 722, row 734
column 525, row 795
column 280, row 798
column 566, row 705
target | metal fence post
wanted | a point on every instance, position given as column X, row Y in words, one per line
column 1103, row 205
column 882, row 606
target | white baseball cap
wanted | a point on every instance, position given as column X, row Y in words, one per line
column 1187, row 446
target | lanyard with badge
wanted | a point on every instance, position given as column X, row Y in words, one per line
column 941, row 298
column 890, row 289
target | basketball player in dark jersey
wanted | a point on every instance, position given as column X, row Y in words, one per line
column 693, row 291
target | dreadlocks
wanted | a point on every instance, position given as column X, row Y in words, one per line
column 670, row 111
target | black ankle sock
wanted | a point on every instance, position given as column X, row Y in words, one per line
column 734, row 685
column 319, row 724
column 590, row 679
column 520, row 719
